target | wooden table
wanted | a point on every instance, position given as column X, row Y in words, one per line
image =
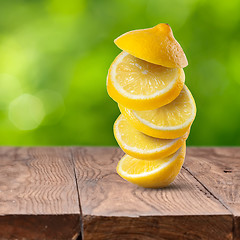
column 63, row 193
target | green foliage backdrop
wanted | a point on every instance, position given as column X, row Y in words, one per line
column 54, row 57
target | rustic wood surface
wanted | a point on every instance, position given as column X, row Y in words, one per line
column 38, row 194
column 218, row 169
column 115, row 209
column 60, row 193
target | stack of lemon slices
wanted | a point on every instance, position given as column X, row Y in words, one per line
column 157, row 108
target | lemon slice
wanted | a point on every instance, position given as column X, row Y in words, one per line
column 141, row 146
column 154, row 173
column 170, row 121
column 139, row 85
column 156, row 45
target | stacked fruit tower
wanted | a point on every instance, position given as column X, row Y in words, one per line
column 157, row 109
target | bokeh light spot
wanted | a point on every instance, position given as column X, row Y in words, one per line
column 9, row 89
column 26, row 112
column 53, row 104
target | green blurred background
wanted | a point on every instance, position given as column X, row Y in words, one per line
column 54, row 57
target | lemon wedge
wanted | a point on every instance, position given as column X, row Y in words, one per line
column 140, row 85
column 141, row 146
column 170, row 121
column 152, row 174
column 156, row 45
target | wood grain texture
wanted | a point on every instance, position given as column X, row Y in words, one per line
column 115, row 209
column 39, row 227
column 218, row 169
column 38, row 194
column 158, row 228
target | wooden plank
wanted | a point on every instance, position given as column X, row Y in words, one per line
column 218, row 169
column 38, row 194
column 115, row 209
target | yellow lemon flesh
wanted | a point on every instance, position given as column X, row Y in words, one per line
column 156, row 45
column 140, row 85
column 170, row 121
column 152, row 174
column 141, row 146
